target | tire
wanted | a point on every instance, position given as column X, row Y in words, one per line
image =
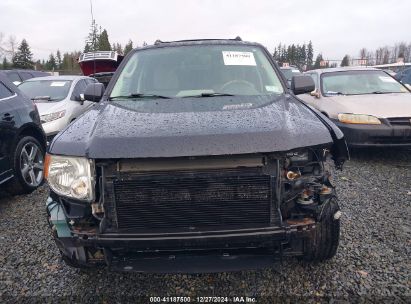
column 27, row 165
column 323, row 243
column 73, row 263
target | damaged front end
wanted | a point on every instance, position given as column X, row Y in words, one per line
column 197, row 214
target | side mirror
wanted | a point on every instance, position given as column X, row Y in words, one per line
column 315, row 93
column 302, row 84
column 80, row 98
column 94, row 92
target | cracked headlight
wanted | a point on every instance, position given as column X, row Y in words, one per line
column 52, row 116
column 71, row 176
column 359, row 119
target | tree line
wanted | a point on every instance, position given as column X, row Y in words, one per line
column 20, row 56
column 301, row 55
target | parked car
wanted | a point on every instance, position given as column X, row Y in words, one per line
column 197, row 159
column 289, row 72
column 22, row 141
column 368, row 105
column 404, row 76
column 18, row 76
column 59, row 99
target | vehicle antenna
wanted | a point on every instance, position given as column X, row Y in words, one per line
column 93, row 26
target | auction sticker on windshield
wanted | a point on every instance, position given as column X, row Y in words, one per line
column 58, row 84
column 238, row 58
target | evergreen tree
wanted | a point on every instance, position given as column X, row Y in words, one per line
column 345, row 61
column 303, row 56
column 59, row 60
column 317, row 64
column 23, row 58
column 51, row 63
column 5, row 64
column 92, row 38
column 103, row 42
column 128, row 47
column 310, row 55
column 118, row 48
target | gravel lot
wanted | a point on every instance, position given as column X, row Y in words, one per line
column 373, row 259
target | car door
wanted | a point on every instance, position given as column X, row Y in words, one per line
column 8, row 117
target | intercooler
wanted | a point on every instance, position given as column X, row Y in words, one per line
column 191, row 200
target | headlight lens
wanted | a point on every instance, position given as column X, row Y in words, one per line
column 71, row 176
column 52, row 116
column 358, row 119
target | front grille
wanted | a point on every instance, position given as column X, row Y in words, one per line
column 192, row 200
column 400, row 121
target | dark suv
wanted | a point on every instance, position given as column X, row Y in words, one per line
column 197, row 159
column 18, row 76
column 22, row 141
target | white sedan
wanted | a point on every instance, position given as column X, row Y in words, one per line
column 59, row 99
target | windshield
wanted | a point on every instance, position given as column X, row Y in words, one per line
column 202, row 71
column 359, row 82
column 46, row 90
column 289, row 73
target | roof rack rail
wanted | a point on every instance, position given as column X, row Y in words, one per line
column 158, row 41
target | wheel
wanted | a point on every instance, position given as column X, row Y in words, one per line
column 323, row 243
column 28, row 166
column 73, row 263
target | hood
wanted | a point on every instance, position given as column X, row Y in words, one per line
column 112, row 131
column 379, row 105
column 50, row 107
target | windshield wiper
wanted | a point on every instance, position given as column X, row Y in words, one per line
column 381, row 92
column 44, row 98
column 139, row 95
column 210, row 95
column 332, row 93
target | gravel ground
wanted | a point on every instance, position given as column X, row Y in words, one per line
column 373, row 260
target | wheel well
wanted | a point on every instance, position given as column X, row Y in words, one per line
column 34, row 132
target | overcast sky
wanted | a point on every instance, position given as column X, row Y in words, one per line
column 335, row 27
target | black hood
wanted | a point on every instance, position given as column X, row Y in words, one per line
column 112, row 131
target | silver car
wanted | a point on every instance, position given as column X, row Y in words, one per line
column 368, row 105
column 59, row 99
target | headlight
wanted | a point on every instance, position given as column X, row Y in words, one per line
column 52, row 116
column 358, row 119
column 71, row 176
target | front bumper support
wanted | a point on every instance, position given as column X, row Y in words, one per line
column 211, row 251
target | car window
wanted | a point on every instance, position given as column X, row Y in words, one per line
column 359, row 82
column 192, row 70
column 290, row 72
column 14, row 77
column 4, row 91
column 314, row 76
column 78, row 89
column 46, row 90
column 406, row 77
column 26, row 75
